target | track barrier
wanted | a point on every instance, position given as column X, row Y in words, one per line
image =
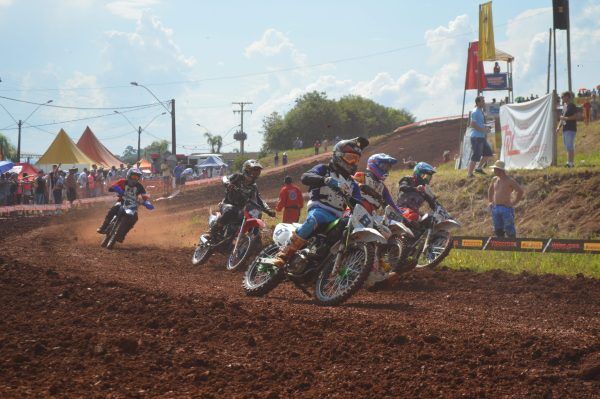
column 543, row 245
column 34, row 210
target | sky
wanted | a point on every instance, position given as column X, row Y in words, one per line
column 208, row 54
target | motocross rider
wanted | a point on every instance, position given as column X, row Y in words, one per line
column 412, row 191
column 241, row 187
column 371, row 182
column 128, row 190
column 326, row 184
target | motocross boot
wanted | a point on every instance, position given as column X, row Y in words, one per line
column 286, row 252
column 215, row 233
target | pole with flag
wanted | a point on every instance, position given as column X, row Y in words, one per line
column 487, row 48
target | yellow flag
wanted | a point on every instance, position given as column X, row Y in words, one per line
column 487, row 49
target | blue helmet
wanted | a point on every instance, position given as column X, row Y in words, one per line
column 423, row 172
column 380, row 164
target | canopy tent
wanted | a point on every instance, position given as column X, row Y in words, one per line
column 64, row 151
column 90, row 145
column 211, row 162
column 5, row 166
column 503, row 56
column 145, row 166
column 24, row 167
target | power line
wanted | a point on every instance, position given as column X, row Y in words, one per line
column 82, row 108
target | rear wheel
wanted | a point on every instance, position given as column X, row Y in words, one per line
column 436, row 251
column 261, row 278
column 336, row 286
column 202, row 252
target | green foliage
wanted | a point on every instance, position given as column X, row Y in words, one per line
column 315, row 117
column 215, row 142
column 157, row 147
column 7, row 149
column 129, row 155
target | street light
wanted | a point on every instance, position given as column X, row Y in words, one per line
column 171, row 112
column 20, row 125
column 139, row 129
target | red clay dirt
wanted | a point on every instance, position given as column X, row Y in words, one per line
column 140, row 321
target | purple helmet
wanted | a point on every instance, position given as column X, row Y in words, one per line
column 380, row 164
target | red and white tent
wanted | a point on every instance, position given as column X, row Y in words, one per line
column 90, row 145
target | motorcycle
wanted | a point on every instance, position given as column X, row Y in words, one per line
column 244, row 237
column 337, row 259
column 119, row 225
column 430, row 241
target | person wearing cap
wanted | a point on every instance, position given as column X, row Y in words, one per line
column 71, row 185
column 290, row 201
column 501, row 201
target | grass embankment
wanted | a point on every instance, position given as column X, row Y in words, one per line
column 558, row 203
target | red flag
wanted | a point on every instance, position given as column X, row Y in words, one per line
column 474, row 69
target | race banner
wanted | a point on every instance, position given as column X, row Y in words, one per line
column 527, row 134
column 496, row 81
column 544, row 245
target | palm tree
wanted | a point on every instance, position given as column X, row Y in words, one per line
column 218, row 142
column 210, row 140
column 7, row 150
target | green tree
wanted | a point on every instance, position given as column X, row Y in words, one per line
column 218, row 143
column 157, row 147
column 129, row 155
column 7, row 150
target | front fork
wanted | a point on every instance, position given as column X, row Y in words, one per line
column 340, row 253
column 239, row 235
column 426, row 244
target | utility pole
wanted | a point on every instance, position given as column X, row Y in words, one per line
column 569, row 46
column 139, row 138
column 19, row 141
column 173, row 131
column 241, row 136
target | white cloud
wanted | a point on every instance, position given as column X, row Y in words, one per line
column 5, row 3
column 273, row 43
column 448, row 42
column 130, row 9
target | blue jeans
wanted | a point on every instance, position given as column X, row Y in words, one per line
column 315, row 218
column 503, row 218
column 40, row 198
column 569, row 140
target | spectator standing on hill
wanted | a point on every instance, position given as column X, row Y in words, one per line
column 284, row 159
column 317, row 146
column 122, row 172
column 276, row 159
column 177, row 173
column 325, row 144
column 290, row 201
column 71, row 185
column 40, row 188
column 480, row 149
column 568, row 122
column 587, row 108
column 501, row 202
column 594, row 104
column 91, row 186
column 26, row 189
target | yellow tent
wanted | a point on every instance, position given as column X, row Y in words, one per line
column 63, row 151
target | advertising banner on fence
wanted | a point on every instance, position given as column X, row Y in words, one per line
column 545, row 245
column 527, row 134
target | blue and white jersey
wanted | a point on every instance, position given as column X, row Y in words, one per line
column 323, row 196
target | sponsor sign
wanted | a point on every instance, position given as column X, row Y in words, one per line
column 538, row 245
column 496, row 81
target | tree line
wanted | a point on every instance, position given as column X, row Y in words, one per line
column 315, row 117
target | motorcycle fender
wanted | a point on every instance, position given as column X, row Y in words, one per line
column 403, row 228
column 203, row 239
column 447, row 225
column 283, row 233
column 367, row 234
column 385, row 231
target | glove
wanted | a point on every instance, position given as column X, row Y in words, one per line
column 332, row 183
column 421, row 188
column 117, row 190
column 270, row 212
column 148, row 205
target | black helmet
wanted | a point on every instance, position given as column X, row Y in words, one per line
column 251, row 169
column 346, row 153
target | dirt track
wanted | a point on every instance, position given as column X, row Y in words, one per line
column 140, row 321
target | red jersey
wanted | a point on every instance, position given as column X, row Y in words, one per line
column 291, row 202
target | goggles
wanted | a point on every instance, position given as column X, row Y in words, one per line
column 386, row 167
column 426, row 177
column 134, row 177
column 255, row 172
column 350, row 158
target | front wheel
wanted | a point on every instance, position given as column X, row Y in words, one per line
column 261, row 278
column 112, row 234
column 201, row 252
column 242, row 253
column 438, row 248
column 334, row 286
